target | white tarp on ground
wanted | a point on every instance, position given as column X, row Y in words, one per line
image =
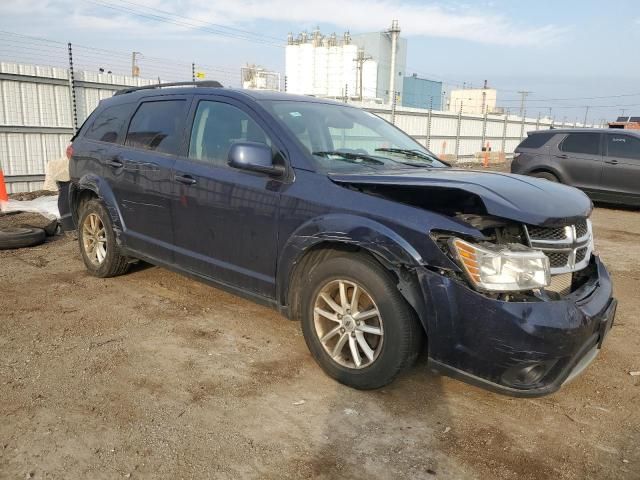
column 46, row 206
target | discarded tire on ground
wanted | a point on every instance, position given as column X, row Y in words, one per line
column 20, row 237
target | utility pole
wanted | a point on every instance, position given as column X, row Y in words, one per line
column 360, row 59
column 586, row 112
column 135, row 69
column 394, row 32
column 523, row 96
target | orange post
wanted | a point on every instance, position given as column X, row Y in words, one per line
column 485, row 160
column 3, row 188
column 444, row 148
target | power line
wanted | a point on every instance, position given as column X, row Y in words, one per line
column 169, row 18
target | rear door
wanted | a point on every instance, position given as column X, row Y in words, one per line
column 225, row 219
column 622, row 165
column 141, row 177
column 579, row 156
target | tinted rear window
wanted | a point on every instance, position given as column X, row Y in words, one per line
column 625, row 146
column 586, row 143
column 109, row 125
column 536, row 140
column 157, row 126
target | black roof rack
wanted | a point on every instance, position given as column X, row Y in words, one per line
column 207, row 83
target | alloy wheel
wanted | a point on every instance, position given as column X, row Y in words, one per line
column 94, row 239
column 348, row 324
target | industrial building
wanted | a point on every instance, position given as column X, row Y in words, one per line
column 421, row 93
column 379, row 46
column 255, row 77
column 473, row 100
column 356, row 66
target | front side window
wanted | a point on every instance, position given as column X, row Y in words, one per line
column 109, row 125
column 157, row 126
column 216, row 127
column 340, row 138
column 585, row 143
column 624, row 146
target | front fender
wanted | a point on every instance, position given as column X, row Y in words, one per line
column 343, row 229
column 104, row 192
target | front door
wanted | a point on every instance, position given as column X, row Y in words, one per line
column 142, row 175
column 622, row 166
column 225, row 219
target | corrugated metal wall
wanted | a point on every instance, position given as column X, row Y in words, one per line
column 36, row 121
column 462, row 136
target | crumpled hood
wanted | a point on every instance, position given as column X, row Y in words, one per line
column 516, row 197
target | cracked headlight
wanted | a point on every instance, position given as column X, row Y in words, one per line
column 502, row 268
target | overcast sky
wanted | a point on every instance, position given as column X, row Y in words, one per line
column 565, row 51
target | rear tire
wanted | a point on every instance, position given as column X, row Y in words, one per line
column 385, row 342
column 97, row 241
column 547, row 176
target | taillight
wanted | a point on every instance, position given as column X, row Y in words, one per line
column 69, row 151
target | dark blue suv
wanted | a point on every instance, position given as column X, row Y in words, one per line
column 338, row 219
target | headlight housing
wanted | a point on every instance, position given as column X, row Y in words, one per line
column 502, row 268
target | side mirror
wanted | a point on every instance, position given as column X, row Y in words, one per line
column 256, row 157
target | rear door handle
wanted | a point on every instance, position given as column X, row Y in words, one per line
column 186, row 179
column 563, row 155
column 611, row 162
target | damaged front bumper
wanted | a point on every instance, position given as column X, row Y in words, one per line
column 518, row 348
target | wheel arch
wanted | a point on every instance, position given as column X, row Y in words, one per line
column 546, row 169
column 343, row 235
column 92, row 186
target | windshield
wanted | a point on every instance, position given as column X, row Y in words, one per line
column 347, row 139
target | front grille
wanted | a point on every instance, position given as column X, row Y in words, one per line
column 568, row 247
column 544, row 233
column 582, row 228
column 557, row 259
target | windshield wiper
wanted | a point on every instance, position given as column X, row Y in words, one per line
column 350, row 157
column 409, row 153
column 414, row 153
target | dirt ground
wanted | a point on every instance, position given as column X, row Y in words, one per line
column 153, row 375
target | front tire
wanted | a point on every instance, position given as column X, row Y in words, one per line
column 357, row 325
column 97, row 241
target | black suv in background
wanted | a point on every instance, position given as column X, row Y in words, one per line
column 603, row 163
column 340, row 220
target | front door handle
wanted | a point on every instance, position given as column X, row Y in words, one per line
column 611, row 162
column 115, row 163
column 186, row 179
column 563, row 155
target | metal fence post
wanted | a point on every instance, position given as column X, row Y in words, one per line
column 193, row 72
column 72, row 91
column 393, row 108
column 429, row 123
column 504, row 132
column 484, row 128
column 457, row 150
